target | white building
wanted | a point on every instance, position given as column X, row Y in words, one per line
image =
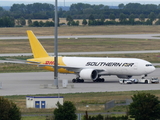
column 43, row 102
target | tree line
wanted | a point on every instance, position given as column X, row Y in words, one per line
column 91, row 14
column 78, row 11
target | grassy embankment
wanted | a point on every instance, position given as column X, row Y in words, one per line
column 81, row 30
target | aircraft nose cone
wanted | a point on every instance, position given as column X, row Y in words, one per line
column 151, row 69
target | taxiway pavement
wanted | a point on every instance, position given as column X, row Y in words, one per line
column 34, row 83
column 85, row 53
column 132, row 36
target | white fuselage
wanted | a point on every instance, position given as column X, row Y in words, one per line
column 111, row 66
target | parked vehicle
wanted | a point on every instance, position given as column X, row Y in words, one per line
column 125, row 81
column 147, row 80
column 154, row 80
column 144, row 80
column 135, row 81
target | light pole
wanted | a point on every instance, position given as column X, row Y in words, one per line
column 56, row 46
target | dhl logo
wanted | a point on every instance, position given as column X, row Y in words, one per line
column 50, row 63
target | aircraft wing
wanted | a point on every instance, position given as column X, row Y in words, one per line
column 20, row 61
column 69, row 68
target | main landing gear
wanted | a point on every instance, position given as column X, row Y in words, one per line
column 77, row 80
column 99, row 80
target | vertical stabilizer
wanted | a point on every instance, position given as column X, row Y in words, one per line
column 37, row 49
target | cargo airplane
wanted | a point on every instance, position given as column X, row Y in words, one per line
column 87, row 68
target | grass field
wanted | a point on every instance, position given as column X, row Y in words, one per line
column 81, row 45
column 81, row 30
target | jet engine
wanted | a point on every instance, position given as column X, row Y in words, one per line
column 124, row 76
column 89, row 74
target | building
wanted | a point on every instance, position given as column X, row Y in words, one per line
column 43, row 102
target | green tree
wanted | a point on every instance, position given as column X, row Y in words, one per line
column 8, row 21
column 158, row 21
column 122, row 18
column 133, row 6
column 121, row 6
column 1, row 9
column 68, row 23
column 36, row 24
column 69, row 18
column 152, row 16
column 65, row 111
column 99, row 117
column 102, row 19
column 84, row 22
column 145, row 106
column 158, row 7
column 41, row 23
column 112, row 17
column 91, row 17
column 73, row 23
column 22, row 21
column 92, row 20
column 47, row 24
column 88, row 10
column 132, row 19
column 29, row 22
column 77, row 23
column 142, row 18
column 148, row 22
column 9, row 110
column 158, row 16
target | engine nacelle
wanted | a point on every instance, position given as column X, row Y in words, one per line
column 124, row 76
column 89, row 74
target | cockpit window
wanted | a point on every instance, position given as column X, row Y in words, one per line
column 147, row 65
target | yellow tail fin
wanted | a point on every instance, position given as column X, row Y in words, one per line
column 37, row 49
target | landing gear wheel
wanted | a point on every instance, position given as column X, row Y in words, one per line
column 82, row 80
column 99, row 80
column 102, row 79
column 74, row 80
column 77, row 80
column 146, row 81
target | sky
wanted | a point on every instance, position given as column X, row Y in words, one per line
column 69, row 2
